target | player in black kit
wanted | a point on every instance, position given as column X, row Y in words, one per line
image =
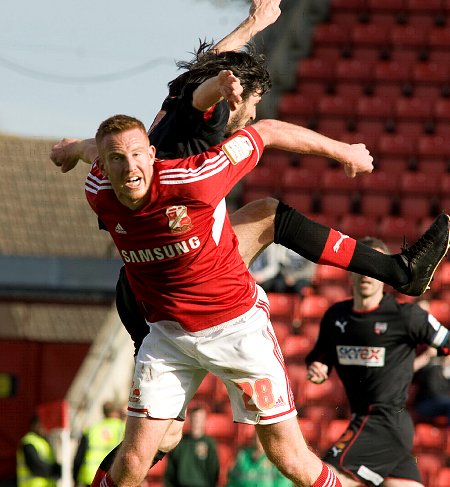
column 371, row 341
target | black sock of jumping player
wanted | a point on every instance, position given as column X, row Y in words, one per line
column 324, row 245
column 107, row 462
column 159, row 456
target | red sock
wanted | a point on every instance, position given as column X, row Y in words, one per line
column 102, row 479
column 327, row 478
column 338, row 250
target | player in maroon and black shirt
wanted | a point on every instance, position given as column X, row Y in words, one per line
column 371, row 341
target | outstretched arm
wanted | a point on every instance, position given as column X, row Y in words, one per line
column 294, row 138
column 262, row 14
column 67, row 152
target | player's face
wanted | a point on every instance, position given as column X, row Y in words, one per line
column 244, row 115
column 127, row 160
column 365, row 286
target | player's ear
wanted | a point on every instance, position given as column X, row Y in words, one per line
column 152, row 152
column 101, row 165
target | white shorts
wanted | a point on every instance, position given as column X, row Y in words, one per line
column 244, row 353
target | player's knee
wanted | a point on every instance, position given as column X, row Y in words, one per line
column 266, row 207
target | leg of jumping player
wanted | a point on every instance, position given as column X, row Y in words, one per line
column 262, row 222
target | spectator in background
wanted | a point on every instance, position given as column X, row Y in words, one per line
column 194, row 462
column 97, row 441
column 296, row 271
column 432, row 398
column 281, row 270
column 36, row 460
column 266, row 269
column 253, row 469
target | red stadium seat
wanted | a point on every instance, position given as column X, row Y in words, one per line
column 317, row 163
column 390, row 6
column 428, row 437
column 282, row 306
column 406, row 35
column 392, row 71
column 302, row 202
column 331, row 35
column 354, row 69
column 376, row 205
column 442, row 477
column 263, row 177
column 336, row 205
column 335, row 105
column 413, row 108
column 419, row 183
column 348, row 5
column 155, row 475
column 335, row 292
column 282, row 330
column 442, row 109
column 276, row 159
column 430, row 6
column 296, row 104
column 220, row 426
column 250, row 194
column 379, row 182
column 419, row 206
column 372, row 35
column 439, row 38
column 396, row 228
column 436, row 146
column 444, row 274
column 373, row 107
column 227, row 453
column 430, row 72
column 310, row 431
column 298, row 178
column 315, row 69
column 245, row 434
column 445, row 185
column 312, row 308
column 336, row 181
column 395, row 166
column 295, row 348
column 395, row 145
column 329, row 274
column 440, row 309
column 428, row 465
column 358, row 226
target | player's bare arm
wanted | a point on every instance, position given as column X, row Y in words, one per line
column 355, row 158
column 67, row 152
column 317, row 372
column 262, row 14
column 223, row 86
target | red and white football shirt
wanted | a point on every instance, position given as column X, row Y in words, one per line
column 180, row 251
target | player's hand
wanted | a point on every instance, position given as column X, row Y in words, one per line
column 317, row 372
column 265, row 12
column 230, row 88
column 357, row 160
column 66, row 154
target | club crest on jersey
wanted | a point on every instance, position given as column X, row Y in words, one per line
column 238, row 149
column 380, row 327
column 179, row 220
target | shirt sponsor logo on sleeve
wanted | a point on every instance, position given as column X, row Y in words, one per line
column 361, row 355
column 238, row 149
